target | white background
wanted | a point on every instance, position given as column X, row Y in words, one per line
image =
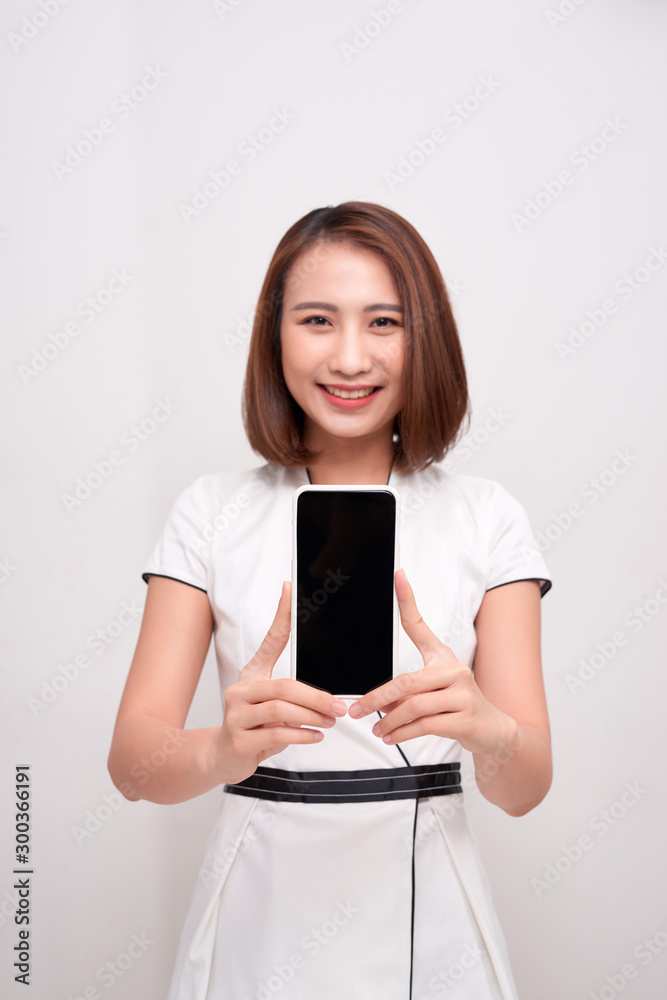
column 176, row 333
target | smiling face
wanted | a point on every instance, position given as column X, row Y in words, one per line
column 343, row 343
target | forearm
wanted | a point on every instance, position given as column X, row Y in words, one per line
column 517, row 774
column 152, row 760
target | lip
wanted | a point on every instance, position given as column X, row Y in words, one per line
column 349, row 404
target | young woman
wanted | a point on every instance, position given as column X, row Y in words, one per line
column 374, row 890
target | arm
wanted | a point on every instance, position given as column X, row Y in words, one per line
column 152, row 757
column 516, row 775
column 499, row 715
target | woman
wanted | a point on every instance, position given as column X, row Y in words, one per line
column 355, row 375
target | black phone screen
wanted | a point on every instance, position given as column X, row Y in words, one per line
column 345, row 589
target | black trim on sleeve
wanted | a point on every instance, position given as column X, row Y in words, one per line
column 144, row 577
column 545, row 585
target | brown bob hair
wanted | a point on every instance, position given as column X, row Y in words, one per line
column 435, row 388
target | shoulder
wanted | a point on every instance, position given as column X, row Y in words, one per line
column 475, row 494
column 212, row 490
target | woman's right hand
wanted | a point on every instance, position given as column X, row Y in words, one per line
column 263, row 715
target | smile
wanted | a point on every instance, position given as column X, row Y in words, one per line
column 350, row 393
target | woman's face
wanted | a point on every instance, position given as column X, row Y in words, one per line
column 343, row 342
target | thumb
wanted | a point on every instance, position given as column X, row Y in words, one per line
column 262, row 663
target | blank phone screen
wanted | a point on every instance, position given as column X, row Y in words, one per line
column 345, row 589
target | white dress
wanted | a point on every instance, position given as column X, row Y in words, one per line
column 362, row 900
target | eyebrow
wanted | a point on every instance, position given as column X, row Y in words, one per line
column 384, row 306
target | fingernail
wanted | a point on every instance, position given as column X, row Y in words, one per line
column 317, row 736
column 328, row 720
column 355, row 710
column 376, row 729
column 339, row 707
column 387, row 739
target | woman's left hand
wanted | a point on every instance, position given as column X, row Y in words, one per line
column 441, row 699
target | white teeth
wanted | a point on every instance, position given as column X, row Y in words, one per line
column 349, row 393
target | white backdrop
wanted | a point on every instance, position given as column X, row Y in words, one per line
column 526, row 143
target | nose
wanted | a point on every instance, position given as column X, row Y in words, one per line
column 351, row 352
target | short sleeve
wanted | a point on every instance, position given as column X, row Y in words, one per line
column 181, row 551
column 513, row 551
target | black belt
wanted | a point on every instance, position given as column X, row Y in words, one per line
column 351, row 786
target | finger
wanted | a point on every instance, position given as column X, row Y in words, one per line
column 427, row 703
column 295, row 692
column 282, row 736
column 274, row 642
column 272, row 713
column 414, row 625
column 426, row 726
column 397, row 690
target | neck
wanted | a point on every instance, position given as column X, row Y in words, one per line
column 352, row 461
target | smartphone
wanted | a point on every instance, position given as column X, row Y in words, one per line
column 344, row 635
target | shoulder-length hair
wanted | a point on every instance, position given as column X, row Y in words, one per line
column 435, row 388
